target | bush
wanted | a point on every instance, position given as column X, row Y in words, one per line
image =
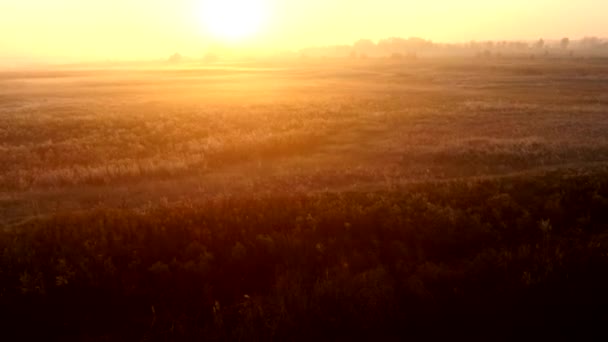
column 330, row 266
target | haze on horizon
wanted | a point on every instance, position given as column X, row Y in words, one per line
column 143, row 29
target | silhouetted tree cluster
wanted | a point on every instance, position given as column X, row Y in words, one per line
column 392, row 47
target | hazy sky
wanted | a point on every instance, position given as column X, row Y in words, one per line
column 127, row 29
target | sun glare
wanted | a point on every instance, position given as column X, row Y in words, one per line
column 234, row 20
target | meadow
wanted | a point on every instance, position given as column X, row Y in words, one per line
column 312, row 199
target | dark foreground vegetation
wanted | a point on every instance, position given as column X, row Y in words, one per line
column 514, row 257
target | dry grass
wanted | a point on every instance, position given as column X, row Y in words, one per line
column 316, row 201
column 313, row 126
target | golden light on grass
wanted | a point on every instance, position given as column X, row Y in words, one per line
column 234, row 20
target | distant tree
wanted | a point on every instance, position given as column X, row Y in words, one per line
column 175, row 58
column 564, row 43
column 365, row 46
column 402, row 46
column 540, row 44
column 390, row 46
column 519, row 45
column 210, row 58
column 590, row 42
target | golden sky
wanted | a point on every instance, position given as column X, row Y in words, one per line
column 130, row 29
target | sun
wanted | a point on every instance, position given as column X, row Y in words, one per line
column 234, row 20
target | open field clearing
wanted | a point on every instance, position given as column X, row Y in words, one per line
column 72, row 138
column 308, row 200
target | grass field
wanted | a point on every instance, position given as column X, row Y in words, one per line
column 315, row 199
